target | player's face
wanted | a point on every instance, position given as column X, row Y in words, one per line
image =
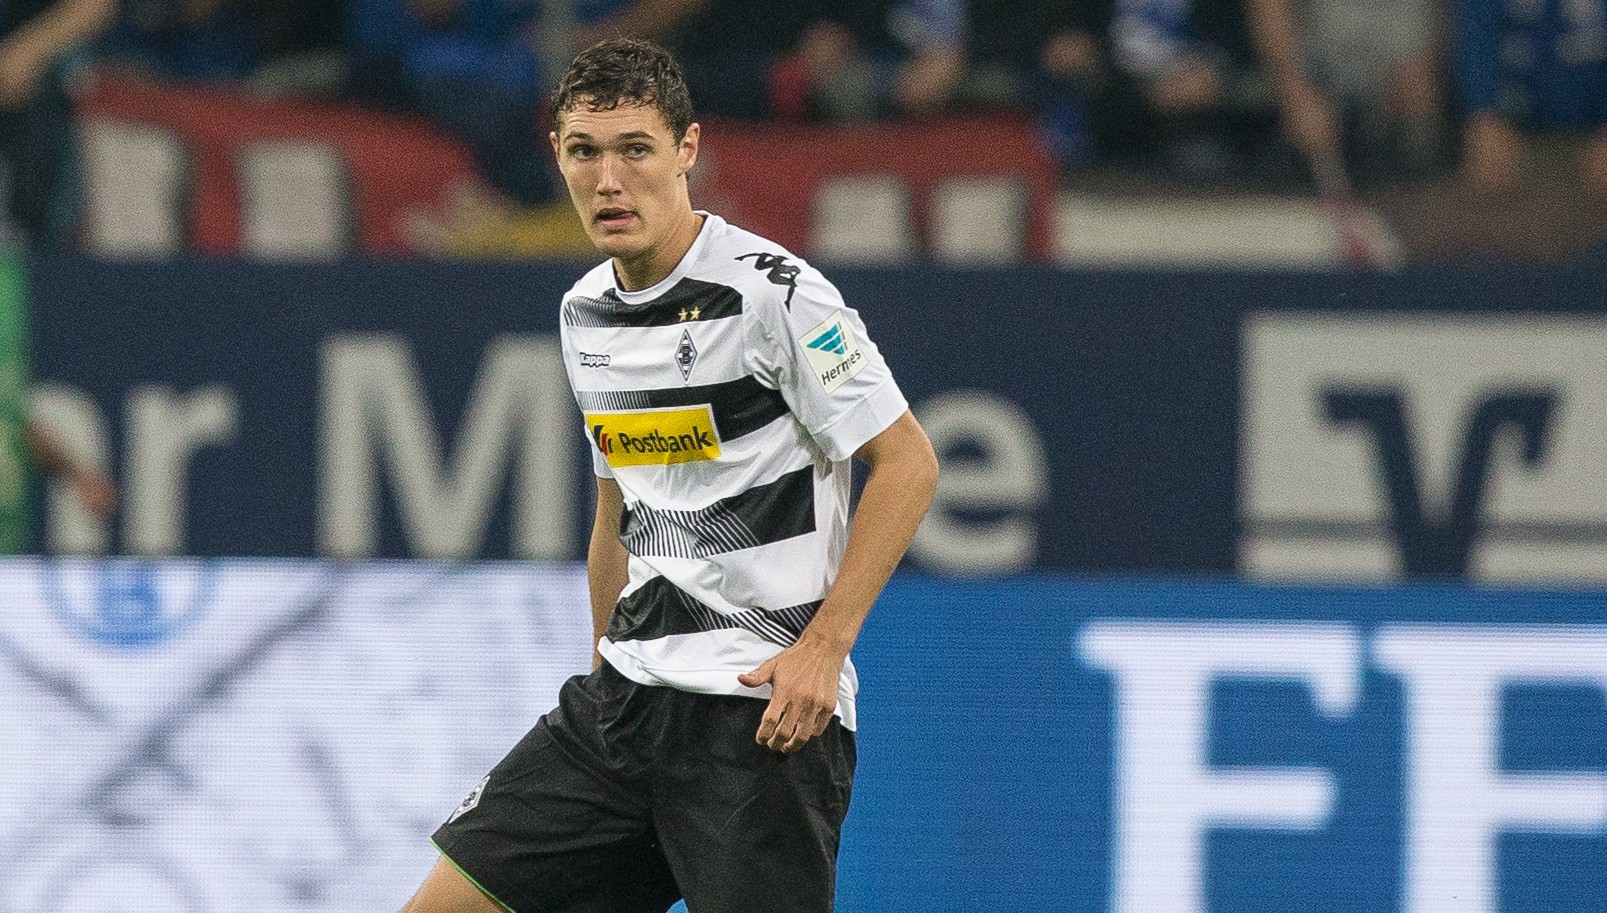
column 627, row 177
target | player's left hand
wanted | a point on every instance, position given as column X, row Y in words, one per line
column 803, row 692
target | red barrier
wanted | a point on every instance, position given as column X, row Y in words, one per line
column 401, row 172
column 394, row 166
column 764, row 177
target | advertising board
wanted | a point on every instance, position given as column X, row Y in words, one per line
column 1086, row 421
column 264, row 736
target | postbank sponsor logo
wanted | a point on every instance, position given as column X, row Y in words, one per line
column 655, row 437
column 832, row 351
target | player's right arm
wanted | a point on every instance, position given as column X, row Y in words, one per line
column 605, row 561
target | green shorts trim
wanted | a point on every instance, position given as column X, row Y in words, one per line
column 494, row 898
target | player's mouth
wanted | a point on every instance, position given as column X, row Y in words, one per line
column 613, row 218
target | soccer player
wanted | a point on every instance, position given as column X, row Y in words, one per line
column 725, row 386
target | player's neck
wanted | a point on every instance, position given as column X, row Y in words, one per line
column 650, row 269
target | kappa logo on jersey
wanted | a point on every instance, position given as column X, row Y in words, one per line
column 833, row 352
column 780, row 272
column 471, row 800
column 686, row 354
column 655, row 438
column 590, row 360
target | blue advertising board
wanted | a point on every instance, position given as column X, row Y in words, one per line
column 1183, row 747
column 1096, row 421
column 214, row 736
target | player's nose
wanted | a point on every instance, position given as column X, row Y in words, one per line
column 608, row 176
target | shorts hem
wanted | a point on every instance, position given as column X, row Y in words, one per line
column 472, row 880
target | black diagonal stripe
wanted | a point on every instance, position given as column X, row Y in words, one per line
column 688, row 301
column 660, row 609
column 763, row 514
column 741, row 406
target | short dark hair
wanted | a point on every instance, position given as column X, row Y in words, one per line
column 626, row 71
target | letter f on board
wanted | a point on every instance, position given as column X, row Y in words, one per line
column 1168, row 795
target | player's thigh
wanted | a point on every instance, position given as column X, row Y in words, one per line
column 746, row 828
column 641, row 883
column 447, row 890
column 562, row 823
column 638, row 881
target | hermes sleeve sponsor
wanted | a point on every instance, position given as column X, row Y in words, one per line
column 655, row 437
column 832, row 352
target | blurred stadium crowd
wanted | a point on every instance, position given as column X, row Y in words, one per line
column 1486, row 114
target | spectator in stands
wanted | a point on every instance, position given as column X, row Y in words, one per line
column 599, row 20
column 288, row 27
column 37, row 38
column 300, row 48
column 278, row 45
column 890, row 58
column 833, row 60
column 1530, row 66
column 1049, row 56
column 471, row 67
column 184, row 39
column 1357, row 81
column 1186, row 71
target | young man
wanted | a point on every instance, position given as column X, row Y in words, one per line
column 724, row 385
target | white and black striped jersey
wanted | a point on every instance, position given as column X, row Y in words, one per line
column 726, row 401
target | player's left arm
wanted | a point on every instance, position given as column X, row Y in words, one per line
column 804, row 677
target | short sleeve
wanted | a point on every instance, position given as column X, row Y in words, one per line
column 816, row 349
column 599, row 464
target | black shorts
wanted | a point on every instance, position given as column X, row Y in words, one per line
column 626, row 798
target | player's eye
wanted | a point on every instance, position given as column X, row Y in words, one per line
column 582, row 151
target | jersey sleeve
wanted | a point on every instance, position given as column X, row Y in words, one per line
column 816, row 351
column 599, row 465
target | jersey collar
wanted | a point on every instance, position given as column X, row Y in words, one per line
column 711, row 223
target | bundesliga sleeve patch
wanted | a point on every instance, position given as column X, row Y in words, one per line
column 832, row 351
column 655, row 437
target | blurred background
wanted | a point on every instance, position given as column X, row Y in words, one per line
column 1263, row 344
column 1241, row 133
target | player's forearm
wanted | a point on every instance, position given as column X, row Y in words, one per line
column 903, row 477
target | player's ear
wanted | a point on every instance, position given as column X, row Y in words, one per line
column 553, row 138
column 686, row 153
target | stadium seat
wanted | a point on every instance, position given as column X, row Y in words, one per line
column 294, row 201
column 135, row 179
column 979, row 220
column 862, row 218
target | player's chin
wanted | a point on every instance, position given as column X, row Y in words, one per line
column 616, row 243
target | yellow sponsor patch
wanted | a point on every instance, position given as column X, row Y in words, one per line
column 655, row 437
